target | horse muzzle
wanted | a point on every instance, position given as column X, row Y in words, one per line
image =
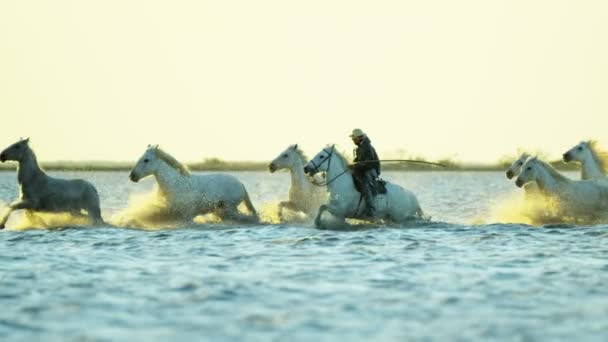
column 519, row 183
column 272, row 168
column 309, row 170
column 510, row 174
column 133, row 177
column 2, row 157
column 567, row 157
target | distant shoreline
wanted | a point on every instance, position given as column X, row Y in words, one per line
column 219, row 165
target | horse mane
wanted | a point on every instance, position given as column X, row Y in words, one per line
column 171, row 161
column 300, row 154
column 341, row 158
column 600, row 156
column 524, row 156
column 552, row 171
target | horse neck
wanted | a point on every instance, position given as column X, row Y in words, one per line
column 547, row 182
column 340, row 181
column 29, row 169
column 298, row 177
column 168, row 178
column 591, row 169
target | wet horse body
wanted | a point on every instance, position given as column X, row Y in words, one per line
column 186, row 196
column 42, row 193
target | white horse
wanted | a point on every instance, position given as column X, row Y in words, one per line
column 586, row 200
column 304, row 196
column 594, row 162
column 42, row 193
column 530, row 189
column 397, row 205
column 186, row 195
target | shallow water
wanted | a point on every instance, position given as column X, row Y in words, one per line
column 445, row 280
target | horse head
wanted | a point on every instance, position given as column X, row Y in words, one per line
column 285, row 160
column 515, row 167
column 528, row 173
column 146, row 165
column 15, row 151
column 320, row 162
column 577, row 153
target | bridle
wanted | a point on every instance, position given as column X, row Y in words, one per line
column 328, row 160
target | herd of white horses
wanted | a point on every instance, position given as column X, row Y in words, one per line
column 186, row 195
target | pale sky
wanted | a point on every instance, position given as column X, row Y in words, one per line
column 475, row 80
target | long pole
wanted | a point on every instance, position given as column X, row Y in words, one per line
column 399, row 161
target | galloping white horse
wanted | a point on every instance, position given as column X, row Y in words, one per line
column 187, row 195
column 304, row 196
column 578, row 199
column 594, row 161
column 42, row 193
column 397, row 205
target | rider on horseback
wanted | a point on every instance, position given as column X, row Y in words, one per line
column 366, row 168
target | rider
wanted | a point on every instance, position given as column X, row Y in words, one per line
column 364, row 172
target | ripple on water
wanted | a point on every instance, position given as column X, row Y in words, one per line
column 420, row 281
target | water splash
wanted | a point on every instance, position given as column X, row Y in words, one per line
column 147, row 211
column 269, row 213
column 28, row 219
column 529, row 209
column 152, row 211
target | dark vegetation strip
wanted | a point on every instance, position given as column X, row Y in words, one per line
column 215, row 164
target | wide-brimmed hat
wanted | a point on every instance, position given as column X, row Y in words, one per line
column 357, row 133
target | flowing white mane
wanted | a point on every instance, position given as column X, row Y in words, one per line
column 339, row 155
column 552, row 171
column 599, row 155
column 300, row 154
column 167, row 158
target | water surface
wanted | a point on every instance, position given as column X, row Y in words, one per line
column 460, row 277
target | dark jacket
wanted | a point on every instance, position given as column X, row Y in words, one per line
column 364, row 152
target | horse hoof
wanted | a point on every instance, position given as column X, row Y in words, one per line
column 1, row 226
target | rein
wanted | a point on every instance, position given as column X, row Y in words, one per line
column 362, row 162
column 328, row 160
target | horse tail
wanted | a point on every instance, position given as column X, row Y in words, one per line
column 248, row 203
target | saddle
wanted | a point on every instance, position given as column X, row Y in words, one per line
column 378, row 186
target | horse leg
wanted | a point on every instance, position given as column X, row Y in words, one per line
column 17, row 205
column 35, row 219
column 95, row 215
column 232, row 213
column 248, row 204
column 5, row 217
column 282, row 205
column 322, row 209
column 286, row 205
column 336, row 214
column 92, row 207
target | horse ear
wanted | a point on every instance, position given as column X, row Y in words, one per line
column 295, row 147
column 27, row 140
